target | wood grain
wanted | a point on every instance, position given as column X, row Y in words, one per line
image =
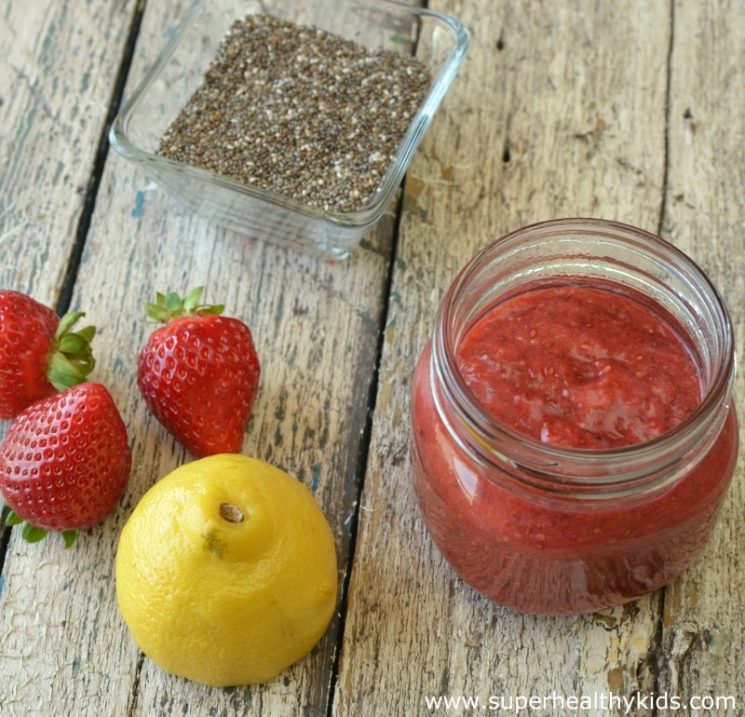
column 541, row 123
column 703, row 640
column 58, row 63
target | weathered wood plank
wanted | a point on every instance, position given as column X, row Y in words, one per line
column 553, row 115
column 703, row 643
column 58, row 63
column 316, row 326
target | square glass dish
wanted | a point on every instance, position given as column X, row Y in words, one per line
column 256, row 212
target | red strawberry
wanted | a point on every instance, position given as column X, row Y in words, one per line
column 38, row 352
column 65, row 462
column 199, row 374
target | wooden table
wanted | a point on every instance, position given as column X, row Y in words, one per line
column 629, row 110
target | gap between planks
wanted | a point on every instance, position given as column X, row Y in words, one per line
column 364, row 449
column 656, row 653
column 362, row 457
column 666, row 143
column 102, row 152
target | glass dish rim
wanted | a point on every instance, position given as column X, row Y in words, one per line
column 370, row 213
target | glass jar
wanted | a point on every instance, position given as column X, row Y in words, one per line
column 549, row 529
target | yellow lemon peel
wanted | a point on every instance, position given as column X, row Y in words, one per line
column 226, row 571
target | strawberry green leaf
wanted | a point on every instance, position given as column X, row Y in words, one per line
column 88, row 333
column 191, row 302
column 171, row 306
column 67, row 322
column 158, row 313
column 64, row 373
column 72, row 359
column 173, row 302
column 69, row 537
column 32, row 534
column 72, row 343
column 13, row 519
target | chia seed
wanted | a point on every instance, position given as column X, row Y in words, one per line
column 299, row 111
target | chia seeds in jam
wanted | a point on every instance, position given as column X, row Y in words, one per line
column 300, row 112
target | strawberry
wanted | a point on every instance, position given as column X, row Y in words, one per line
column 64, row 462
column 199, row 373
column 38, row 352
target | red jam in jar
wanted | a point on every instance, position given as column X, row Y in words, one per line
column 573, row 424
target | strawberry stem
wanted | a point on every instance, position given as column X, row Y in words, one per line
column 72, row 356
column 171, row 306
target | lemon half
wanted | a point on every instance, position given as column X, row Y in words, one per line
column 226, row 571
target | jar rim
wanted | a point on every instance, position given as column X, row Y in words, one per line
column 486, row 431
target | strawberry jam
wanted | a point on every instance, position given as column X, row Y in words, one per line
column 568, row 454
column 580, row 367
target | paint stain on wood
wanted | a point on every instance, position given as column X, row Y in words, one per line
column 315, row 477
column 139, row 204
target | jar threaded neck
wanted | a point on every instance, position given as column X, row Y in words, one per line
column 591, row 250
